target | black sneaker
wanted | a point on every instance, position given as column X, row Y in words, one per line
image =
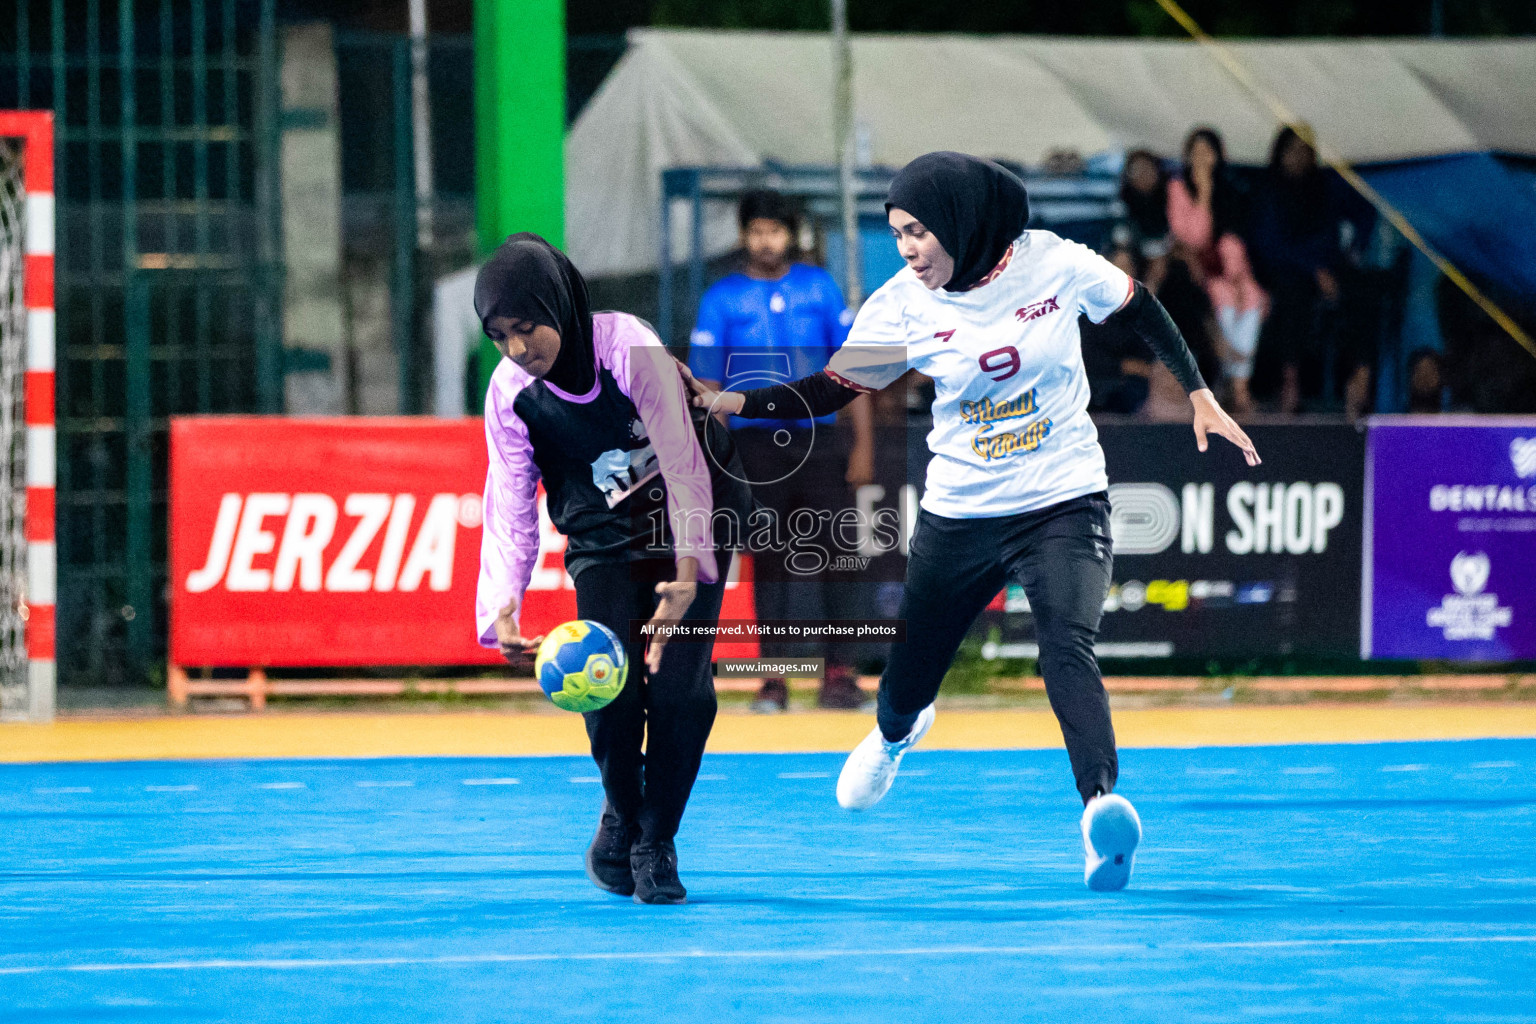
column 655, row 870
column 608, row 856
column 772, row 698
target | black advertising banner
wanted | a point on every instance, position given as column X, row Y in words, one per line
column 1216, row 559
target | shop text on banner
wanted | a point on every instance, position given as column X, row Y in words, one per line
column 1451, row 556
column 342, row 542
column 1214, row 558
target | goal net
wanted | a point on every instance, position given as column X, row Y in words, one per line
column 14, row 696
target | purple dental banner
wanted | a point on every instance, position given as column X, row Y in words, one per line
column 1450, row 552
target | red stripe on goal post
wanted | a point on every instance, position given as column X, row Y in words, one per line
column 35, row 129
column 39, row 392
column 39, row 525
column 40, row 632
column 37, row 281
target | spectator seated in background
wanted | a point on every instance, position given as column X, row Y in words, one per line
column 1144, row 229
column 1122, row 377
column 1299, row 222
column 1426, row 382
column 1205, row 216
column 1483, row 369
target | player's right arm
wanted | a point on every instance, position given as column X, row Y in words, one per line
column 509, row 539
column 1104, row 292
column 873, row 357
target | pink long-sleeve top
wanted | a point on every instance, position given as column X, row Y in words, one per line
column 1226, row 273
column 637, row 413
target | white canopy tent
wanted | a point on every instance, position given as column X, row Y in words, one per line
column 699, row 98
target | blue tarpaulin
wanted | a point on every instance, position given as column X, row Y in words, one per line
column 1477, row 212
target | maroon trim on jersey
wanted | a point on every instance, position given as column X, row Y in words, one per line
column 1130, row 292
column 992, row 274
column 845, row 382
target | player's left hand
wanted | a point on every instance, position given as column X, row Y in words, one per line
column 1211, row 418
column 509, row 636
column 676, row 597
column 702, row 396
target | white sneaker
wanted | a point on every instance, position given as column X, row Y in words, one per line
column 1111, row 831
column 871, row 768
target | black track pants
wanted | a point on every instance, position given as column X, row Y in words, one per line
column 1061, row 556
column 672, row 711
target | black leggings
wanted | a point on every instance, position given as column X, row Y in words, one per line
column 672, row 711
column 1061, row 555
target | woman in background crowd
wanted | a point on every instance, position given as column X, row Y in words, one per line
column 1204, row 216
column 1297, row 245
column 1144, row 231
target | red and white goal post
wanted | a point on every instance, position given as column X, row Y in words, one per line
column 28, row 561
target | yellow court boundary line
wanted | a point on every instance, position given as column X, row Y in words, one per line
column 1286, row 116
column 507, row 735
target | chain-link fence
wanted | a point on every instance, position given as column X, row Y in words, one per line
column 167, row 296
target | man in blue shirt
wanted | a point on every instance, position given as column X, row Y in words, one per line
column 777, row 321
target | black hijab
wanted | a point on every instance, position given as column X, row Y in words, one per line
column 973, row 207
column 526, row 278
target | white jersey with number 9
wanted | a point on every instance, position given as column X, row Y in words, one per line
column 1011, row 431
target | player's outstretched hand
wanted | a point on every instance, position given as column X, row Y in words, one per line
column 509, row 636
column 675, row 599
column 705, row 397
column 1211, row 418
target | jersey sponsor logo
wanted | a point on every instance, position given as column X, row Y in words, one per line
column 945, row 335
column 405, row 560
column 1035, row 310
column 985, row 412
column 618, row 473
column 1000, row 446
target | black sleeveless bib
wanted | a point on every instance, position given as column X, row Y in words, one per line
column 603, row 480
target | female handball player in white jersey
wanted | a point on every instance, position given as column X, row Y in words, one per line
column 1016, row 488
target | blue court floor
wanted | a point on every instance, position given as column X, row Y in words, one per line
column 1318, row 883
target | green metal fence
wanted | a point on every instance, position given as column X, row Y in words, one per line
column 167, row 284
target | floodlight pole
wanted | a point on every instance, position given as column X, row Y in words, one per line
column 842, row 126
column 421, row 124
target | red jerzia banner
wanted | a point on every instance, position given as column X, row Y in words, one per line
column 343, row 542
